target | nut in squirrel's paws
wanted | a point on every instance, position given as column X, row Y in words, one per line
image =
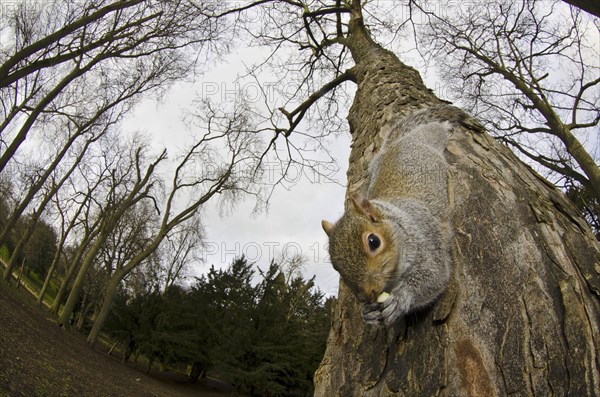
column 383, row 297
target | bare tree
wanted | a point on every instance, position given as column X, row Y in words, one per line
column 89, row 227
column 530, row 71
column 125, row 193
column 522, row 308
column 88, row 189
column 113, row 44
column 201, row 173
column 40, row 173
column 292, row 266
column 128, row 237
column 69, row 220
column 181, row 250
column 53, row 187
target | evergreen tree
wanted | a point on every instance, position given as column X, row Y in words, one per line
column 265, row 337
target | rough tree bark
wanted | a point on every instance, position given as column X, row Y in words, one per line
column 522, row 313
column 591, row 6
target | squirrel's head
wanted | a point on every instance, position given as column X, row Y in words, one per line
column 363, row 248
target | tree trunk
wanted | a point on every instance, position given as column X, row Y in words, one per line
column 83, row 309
column 64, row 285
column 20, row 273
column 591, row 6
column 110, row 294
column 521, row 315
column 14, row 258
column 53, row 265
column 112, row 286
column 88, row 261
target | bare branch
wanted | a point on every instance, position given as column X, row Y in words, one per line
column 295, row 116
column 495, row 56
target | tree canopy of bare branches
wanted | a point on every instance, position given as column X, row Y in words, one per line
column 521, row 309
column 97, row 53
column 69, row 73
column 532, row 74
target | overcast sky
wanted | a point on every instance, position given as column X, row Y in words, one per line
column 292, row 224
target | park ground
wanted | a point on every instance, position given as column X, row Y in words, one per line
column 39, row 359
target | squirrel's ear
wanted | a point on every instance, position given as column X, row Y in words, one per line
column 363, row 206
column 360, row 203
column 327, row 226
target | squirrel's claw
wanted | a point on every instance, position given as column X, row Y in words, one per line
column 394, row 308
column 371, row 313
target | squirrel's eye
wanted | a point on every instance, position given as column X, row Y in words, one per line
column 374, row 242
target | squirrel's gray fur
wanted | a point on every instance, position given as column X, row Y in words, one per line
column 404, row 216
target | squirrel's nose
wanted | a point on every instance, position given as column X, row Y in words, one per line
column 366, row 295
column 371, row 295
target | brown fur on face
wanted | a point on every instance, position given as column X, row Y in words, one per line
column 364, row 270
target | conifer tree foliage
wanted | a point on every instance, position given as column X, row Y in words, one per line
column 41, row 248
column 255, row 331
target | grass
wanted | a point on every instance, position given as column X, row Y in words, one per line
column 4, row 253
column 32, row 281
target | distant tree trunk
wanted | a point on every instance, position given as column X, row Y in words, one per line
column 112, row 348
column 110, row 294
column 86, row 305
column 150, row 364
column 522, row 314
column 112, row 287
column 53, row 265
column 82, row 312
column 129, row 350
column 591, row 6
column 64, row 285
column 20, row 273
column 196, row 371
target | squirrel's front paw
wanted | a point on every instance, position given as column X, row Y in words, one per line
column 393, row 308
column 371, row 313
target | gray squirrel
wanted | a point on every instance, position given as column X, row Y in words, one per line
column 391, row 247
